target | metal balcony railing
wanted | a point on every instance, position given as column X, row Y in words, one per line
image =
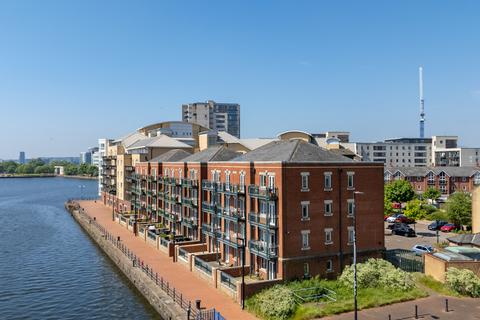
column 263, row 220
column 263, row 248
column 262, row 192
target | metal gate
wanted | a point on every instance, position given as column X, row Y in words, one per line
column 405, row 260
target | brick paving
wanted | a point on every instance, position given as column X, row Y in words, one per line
column 182, row 279
column 432, row 307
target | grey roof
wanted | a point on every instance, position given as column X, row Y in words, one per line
column 473, row 239
column 171, row 156
column 292, row 151
column 160, row 141
column 215, row 153
column 423, row 171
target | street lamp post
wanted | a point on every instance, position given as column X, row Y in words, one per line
column 355, row 254
column 243, row 272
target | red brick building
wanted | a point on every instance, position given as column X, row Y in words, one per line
column 445, row 179
column 289, row 203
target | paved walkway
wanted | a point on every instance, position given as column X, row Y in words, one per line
column 185, row 281
column 428, row 308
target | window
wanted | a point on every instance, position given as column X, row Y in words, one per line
column 350, row 207
column 329, row 265
column 263, row 180
column 350, row 180
column 305, row 176
column 328, row 181
column 271, row 181
column 351, row 235
column 305, row 240
column 242, row 181
column 305, row 214
column 328, row 204
column 328, row 236
column 227, row 180
column 476, row 178
column 306, row 270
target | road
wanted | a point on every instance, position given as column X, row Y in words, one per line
column 424, row 236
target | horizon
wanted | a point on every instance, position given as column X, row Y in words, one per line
column 73, row 73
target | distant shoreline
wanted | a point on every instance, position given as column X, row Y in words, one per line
column 47, row 175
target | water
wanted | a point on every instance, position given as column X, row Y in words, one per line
column 49, row 267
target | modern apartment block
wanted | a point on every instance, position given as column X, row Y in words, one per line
column 289, row 204
column 21, row 158
column 445, row 179
column 446, row 152
column 214, row 115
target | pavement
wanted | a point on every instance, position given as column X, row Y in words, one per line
column 424, row 236
column 432, row 307
column 183, row 280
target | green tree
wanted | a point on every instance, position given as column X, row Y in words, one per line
column 418, row 209
column 387, row 207
column 432, row 194
column 70, row 169
column 459, row 208
column 11, row 167
column 92, row 171
column 399, row 191
column 44, row 169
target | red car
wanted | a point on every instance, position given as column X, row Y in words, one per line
column 404, row 219
column 449, row 227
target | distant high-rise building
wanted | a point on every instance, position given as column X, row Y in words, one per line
column 214, row 115
column 21, row 158
column 86, row 157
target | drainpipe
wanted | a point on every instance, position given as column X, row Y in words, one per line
column 341, row 258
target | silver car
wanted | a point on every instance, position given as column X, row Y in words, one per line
column 420, row 249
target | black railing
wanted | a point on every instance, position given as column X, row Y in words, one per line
column 185, row 304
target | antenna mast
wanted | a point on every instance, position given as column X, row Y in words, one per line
column 422, row 104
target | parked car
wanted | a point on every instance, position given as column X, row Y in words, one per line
column 403, row 230
column 392, row 218
column 391, row 226
column 420, row 249
column 396, row 205
column 436, row 225
column 449, row 227
column 404, row 219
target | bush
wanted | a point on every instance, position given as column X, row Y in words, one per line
column 418, row 209
column 377, row 273
column 463, row 281
column 276, row 302
column 438, row 215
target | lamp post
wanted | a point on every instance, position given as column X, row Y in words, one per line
column 355, row 253
column 243, row 271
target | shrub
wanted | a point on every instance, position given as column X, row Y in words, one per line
column 463, row 281
column 376, row 273
column 438, row 215
column 277, row 302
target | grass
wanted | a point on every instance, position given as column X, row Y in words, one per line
column 367, row 298
column 434, row 285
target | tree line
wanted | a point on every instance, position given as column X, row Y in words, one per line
column 38, row 166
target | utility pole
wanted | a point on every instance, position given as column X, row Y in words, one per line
column 355, row 254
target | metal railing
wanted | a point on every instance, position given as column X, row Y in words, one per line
column 264, row 193
column 228, row 281
column 203, row 266
column 183, row 254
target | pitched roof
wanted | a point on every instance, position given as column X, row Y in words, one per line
column 292, row 151
column 215, row 153
column 160, row 141
column 473, row 239
column 252, row 143
column 423, row 171
column 171, row 156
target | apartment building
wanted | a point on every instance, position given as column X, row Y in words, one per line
column 445, row 179
column 289, row 203
column 447, row 153
column 214, row 115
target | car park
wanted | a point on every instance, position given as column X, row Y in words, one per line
column 403, row 230
column 392, row 218
column 449, row 227
column 420, row 249
column 436, row 225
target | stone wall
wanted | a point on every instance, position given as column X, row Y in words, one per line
column 163, row 303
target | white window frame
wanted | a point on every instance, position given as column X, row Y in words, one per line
column 351, row 232
column 242, row 180
column 305, row 236
column 350, row 175
column 326, row 204
column 327, row 183
column 263, row 180
column 227, row 180
column 306, row 269
column 305, row 181
column 271, row 181
column 350, row 208
column 328, row 236
column 329, row 265
column 305, row 205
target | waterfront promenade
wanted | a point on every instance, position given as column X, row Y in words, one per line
column 185, row 281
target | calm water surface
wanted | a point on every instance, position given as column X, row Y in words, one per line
column 49, row 268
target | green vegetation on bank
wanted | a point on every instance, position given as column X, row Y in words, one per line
column 379, row 283
column 38, row 167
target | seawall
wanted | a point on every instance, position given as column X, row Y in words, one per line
column 158, row 298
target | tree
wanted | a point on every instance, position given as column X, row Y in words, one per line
column 418, row 209
column 459, row 208
column 399, row 191
column 44, row 169
column 432, row 194
column 387, row 207
column 70, row 170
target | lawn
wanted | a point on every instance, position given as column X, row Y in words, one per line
column 434, row 285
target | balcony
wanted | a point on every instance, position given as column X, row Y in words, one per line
column 129, row 168
column 262, row 192
column 169, row 181
column 189, row 183
column 190, row 202
column 191, row 222
column 209, row 185
column 231, row 189
column 263, row 220
column 263, row 249
column 207, row 207
column 232, row 214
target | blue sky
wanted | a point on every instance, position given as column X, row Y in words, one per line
column 71, row 72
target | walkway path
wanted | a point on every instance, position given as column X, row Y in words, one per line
column 428, row 308
column 185, row 281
